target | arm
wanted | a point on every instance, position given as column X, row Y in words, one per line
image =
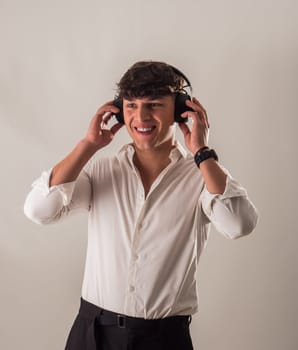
column 197, row 138
column 67, row 187
column 232, row 213
column 224, row 200
column 97, row 137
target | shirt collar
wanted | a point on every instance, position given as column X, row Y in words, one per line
column 177, row 152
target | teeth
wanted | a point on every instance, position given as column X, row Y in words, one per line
column 144, row 129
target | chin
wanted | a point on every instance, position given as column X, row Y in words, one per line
column 144, row 146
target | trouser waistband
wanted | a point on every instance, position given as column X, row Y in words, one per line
column 109, row 318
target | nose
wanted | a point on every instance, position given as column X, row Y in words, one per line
column 142, row 113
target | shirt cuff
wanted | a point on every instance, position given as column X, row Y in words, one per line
column 65, row 190
column 232, row 189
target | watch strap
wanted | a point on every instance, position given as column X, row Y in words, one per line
column 204, row 154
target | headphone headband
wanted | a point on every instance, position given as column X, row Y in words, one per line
column 180, row 100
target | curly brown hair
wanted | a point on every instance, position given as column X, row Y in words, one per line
column 151, row 79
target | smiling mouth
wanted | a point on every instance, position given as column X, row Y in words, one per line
column 145, row 131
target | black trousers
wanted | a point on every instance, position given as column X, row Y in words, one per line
column 98, row 329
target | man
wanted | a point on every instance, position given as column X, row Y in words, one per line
column 150, row 208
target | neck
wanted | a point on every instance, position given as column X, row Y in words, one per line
column 153, row 161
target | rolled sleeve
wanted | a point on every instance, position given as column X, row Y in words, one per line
column 232, row 213
column 42, row 184
column 45, row 204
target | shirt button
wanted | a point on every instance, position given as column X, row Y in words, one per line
column 135, row 256
column 131, row 288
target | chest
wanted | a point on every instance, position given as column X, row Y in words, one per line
column 168, row 199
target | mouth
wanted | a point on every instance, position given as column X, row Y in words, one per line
column 145, row 131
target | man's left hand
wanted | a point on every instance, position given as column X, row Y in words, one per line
column 198, row 136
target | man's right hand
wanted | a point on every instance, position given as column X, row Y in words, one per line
column 98, row 134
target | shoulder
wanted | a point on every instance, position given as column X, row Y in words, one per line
column 102, row 163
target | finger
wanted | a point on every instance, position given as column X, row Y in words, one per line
column 184, row 128
column 198, row 119
column 96, row 122
column 198, row 103
column 110, row 102
column 195, row 106
column 107, row 117
column 104, row 121
column 199, row 109
column 205, row 112
column 115, row 128
column 194, row 116
column 107, row 107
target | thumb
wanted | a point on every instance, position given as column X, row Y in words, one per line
column 184, row 128
column 115, row 128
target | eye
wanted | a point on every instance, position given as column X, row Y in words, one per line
column 155, row 104
column 130, row 105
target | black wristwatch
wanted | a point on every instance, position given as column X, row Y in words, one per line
column 204, row 154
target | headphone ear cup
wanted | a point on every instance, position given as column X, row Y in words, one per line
column 119, row 104
column 180, row 107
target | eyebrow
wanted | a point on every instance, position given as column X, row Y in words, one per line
column 147, row 103
column 147, row 99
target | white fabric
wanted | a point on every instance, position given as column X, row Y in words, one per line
column 142, row 253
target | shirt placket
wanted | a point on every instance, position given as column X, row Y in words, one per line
column 134, row 301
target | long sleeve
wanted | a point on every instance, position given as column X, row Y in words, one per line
column 232, row 213
column 45, row 204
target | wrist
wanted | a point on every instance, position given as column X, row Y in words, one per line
column 200, row 149
column 203, row 154
column 88, row 146
column 197, row 148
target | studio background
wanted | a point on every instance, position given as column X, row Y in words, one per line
column 60, row 60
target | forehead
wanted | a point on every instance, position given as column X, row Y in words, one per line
column 149, row 98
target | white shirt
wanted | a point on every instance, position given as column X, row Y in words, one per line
column 143, row 253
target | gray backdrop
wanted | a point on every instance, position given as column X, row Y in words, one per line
column 60, row 61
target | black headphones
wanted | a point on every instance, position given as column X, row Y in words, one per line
column 180, row 106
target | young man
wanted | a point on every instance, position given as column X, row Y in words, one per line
column 150, row 208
